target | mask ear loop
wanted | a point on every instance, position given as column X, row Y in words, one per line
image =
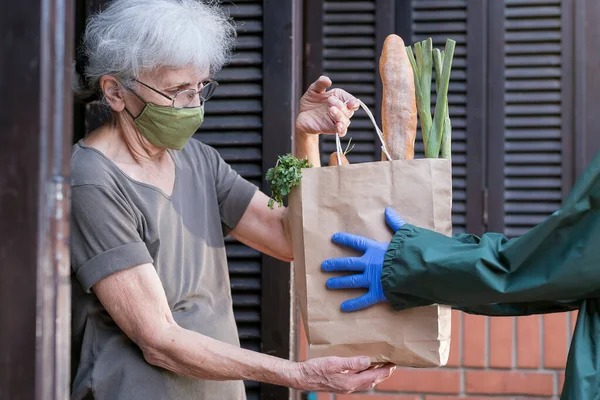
column 338, row 143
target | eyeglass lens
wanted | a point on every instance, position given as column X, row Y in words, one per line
column 186, row 98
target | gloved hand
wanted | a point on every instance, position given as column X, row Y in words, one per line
column 369, row 266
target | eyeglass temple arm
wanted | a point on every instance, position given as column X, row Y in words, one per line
column 155, row 91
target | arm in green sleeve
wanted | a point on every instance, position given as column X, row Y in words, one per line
column 557, row 261
column 517, row 309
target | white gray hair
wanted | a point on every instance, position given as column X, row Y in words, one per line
column 130, row 37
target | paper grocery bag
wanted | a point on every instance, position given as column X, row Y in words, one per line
column 352, row 198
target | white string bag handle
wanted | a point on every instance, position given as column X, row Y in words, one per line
column 338, row 143
column 338, row 146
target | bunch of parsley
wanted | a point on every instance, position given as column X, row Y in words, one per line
column 286, row 174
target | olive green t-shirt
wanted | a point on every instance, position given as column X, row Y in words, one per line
column 118, row 223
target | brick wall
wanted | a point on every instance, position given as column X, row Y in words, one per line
column 490, row 358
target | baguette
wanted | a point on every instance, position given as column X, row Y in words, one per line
column 398, row 105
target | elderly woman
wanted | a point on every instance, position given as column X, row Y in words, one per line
column 152, row 308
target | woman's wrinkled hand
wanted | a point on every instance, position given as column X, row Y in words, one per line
column 325, row 111
column 339, row 375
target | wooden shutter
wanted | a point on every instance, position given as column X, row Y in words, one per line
column 249, row 121
column 350, row 57
column 534, row 113
column 349, row 48
column 439, row 20
column 511, row 84
column 233, row 125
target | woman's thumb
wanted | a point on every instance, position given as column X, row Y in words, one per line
column 357, row 364
column 320, row 85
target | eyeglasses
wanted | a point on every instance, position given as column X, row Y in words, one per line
column 186, row 97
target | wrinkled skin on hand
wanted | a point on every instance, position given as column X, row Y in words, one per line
column 325, row 111
column 341, row 375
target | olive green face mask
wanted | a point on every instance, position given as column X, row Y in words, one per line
column 168, row 127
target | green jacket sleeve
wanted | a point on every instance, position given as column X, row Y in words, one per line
column 521, row 309
column 582, row 375
column 553, row 265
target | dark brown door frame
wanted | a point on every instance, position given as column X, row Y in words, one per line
column 281, row 90
column 477, row 64
column 568, row 106
column 494, row 195
column 35, row 79
column 313, row 21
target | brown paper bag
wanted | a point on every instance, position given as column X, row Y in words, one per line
column 352, row 198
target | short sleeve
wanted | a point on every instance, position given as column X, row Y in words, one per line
column 104, row 236
column 233, row 193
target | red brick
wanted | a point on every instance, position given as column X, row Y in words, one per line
column 474, row 340
column 468, row 398
column 509, row 383
column 454, row 357
column 555, row 340
column 528, row 398
column 422, row 381
column 375, row 397
column 528, row 342
column 573, row 320
column 501, row 342
column 561, row 382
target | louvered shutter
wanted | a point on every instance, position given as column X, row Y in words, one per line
column 352, row 38
column 350, row 58
column 233, row 125
column 439, row 20
column 533, row 115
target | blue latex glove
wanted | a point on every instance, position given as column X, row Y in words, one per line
column 369, row 266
